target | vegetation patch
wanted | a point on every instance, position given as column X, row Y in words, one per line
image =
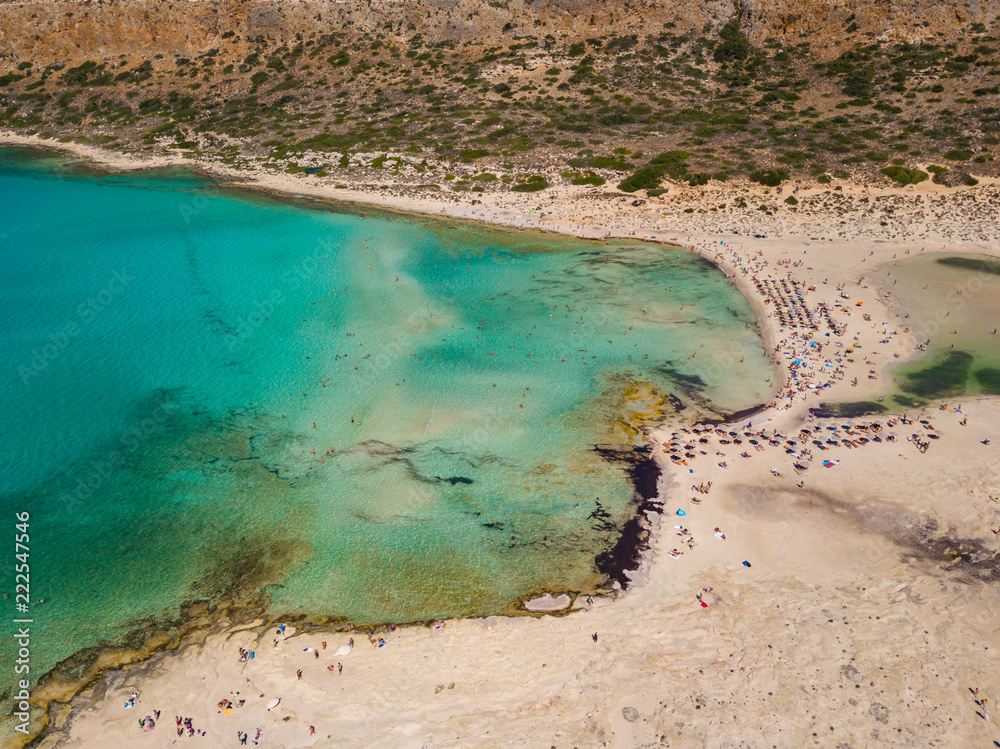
column 534, row 183
column 672, row 164
column 769, row 177
column 903, row 176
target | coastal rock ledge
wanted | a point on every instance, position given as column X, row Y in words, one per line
column 546, row 603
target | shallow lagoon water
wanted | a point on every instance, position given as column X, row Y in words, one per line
column 952, row 304
column 210, row 395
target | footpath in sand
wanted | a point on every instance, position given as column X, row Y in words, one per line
column 866, row 613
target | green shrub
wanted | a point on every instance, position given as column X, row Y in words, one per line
column 958, row 154
column 603, row 162
column 471, row 154
column 340, row 59
column 768, row 177
column 138, row 74
column 903, row 176
column 643, row 179
column 534, row 183
column 576, row 178
column 791, row 200
column 858, row 83
column 326, row 142
column 734, row 46
column 88, row 73
column 671, row 163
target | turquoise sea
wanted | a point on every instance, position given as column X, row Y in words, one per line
column 211, row 394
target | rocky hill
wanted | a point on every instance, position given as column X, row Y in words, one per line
column 770, row 89
column 66, row 31
column 74, row 30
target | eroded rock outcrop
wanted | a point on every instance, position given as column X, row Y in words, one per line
column 45, row 31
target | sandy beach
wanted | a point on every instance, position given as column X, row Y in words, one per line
column 809, row 582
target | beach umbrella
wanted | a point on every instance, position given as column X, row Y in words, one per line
column 273, row 703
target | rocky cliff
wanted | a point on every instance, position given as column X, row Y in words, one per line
column 45, row 31
column 505, row 90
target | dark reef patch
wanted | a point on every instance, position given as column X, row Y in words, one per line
column 686, row 381
column 989, row 380
column 850, row 410
column 977, row 264
column 453, row 480
column 946, row 376
column 640, row 466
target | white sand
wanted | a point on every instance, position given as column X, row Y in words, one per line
column 850, row 628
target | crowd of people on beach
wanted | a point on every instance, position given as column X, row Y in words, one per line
column 688, row 443
column 809, row 352
column 233, row 702
column 186, row 726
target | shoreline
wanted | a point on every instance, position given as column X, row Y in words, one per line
column 627, row 555
column 646, row 535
